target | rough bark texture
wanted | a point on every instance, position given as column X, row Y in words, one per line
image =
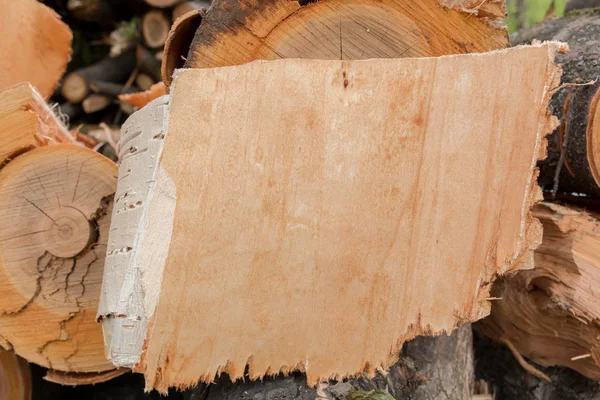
column 579, row 172
column 178, row 43
column 551, row 314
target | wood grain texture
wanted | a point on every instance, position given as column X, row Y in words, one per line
column 318, row 223
column 35, row 45
column 27, row 122
column 238, row 31
column 551, row 314
column 55, row 204
column 15, row 377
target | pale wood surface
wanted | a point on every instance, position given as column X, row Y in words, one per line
column 318, row 223
column 55, row 205
column 551, row 314
column 35, row 45
column 238, row 31
column 27, row 122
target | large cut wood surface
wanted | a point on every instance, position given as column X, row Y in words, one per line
column 35, row 45
column 314, row 215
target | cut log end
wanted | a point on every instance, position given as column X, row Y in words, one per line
column 54, row 207
column 75, row 89
column 163, row 3
column 95, row 102
column 155, row 28
column 231, row 34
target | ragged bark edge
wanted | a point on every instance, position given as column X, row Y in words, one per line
column 255, row 19
column 128, row 303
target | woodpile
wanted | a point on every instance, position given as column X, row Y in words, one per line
column 317, row 182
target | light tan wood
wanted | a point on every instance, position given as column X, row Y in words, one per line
column 163, row 3
column 15, row 377
column 187, row 6
column 593, row 137
column 35, row 45
column 77, row 379
column 144, row 82
column 27, row 122
column 55, row 205
column 238, row 31
column 95, row 102
column 142, row 98
column 318, row 223
column 155, row 28
column 551, row 314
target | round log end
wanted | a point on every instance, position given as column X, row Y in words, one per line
column 55, row 206
column 155, row 28
column 75, row 88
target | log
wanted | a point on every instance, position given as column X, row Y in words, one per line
column 155, row 28
column 238, row 31
column 55, row 205
column 334, row 215
column 39, row 53
column 148, row 63
column 76, row 85
column 96, row 11
column 95, row 102
column 144, row 82
column 15, row 377
column 111, row 88
column 77, row 379
column 27, row 122
column 163, row 3
column 183, row 8
column 551, row 314
column 577, row 139
column 178, row 42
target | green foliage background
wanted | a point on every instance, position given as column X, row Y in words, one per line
column 534, row 12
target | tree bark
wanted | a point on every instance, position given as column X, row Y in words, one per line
column 573, row 163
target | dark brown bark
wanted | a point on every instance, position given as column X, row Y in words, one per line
column 148, row 63
column 572, row 172
column 111, row 88
column 113, row 69
column 178, row 43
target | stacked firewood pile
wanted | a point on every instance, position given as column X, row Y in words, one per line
column 68, row 89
